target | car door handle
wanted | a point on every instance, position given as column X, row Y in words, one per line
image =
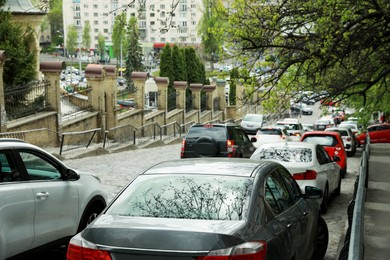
column 42, row 195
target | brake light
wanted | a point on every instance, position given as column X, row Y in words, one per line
column 230, row 148
column 254, row 250
column 79, row 249
column 308, row 175
column 348, row 139
column 183, row 146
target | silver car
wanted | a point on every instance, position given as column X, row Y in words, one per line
column 251, row 123
column 42, row 200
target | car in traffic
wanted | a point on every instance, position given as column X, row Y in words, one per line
column 308, row 163
column 308, row 127
column 378, row 133
column 323, row 123
column 43, row 201
column 306, row 110
column 332, row 143
column 251, row 123
column 348, row 137
column 294, row 128
column 208, row 208
column 217, row 140
column 272, row 134
column 353, row 125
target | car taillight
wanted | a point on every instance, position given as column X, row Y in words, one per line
column 308, row 175
column 348, row 139
column 183, row 146
column 80, row 249
column 254, row 250
column 230, row 148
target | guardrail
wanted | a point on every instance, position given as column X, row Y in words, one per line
column 354, row 241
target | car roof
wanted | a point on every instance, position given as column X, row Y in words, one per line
column 324, row 133
column 209, row 166
column 288, row 144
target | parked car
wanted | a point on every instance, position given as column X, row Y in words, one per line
column 294, row 128
column 332, row 143
column 309, row 164
column 306, row 110
column 251, row 123
column 269, row 134
column 308, row 127
column 208, row 208
column 217, row 140
column 42, row 201
column 323, row 123
column 379, row 133
column 348, row 139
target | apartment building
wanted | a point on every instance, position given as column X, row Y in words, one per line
column 159, row 21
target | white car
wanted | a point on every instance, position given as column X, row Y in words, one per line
column 294, row 128
column 308, row 163
column 42, row 200
column 271, row 134
column 348, row 137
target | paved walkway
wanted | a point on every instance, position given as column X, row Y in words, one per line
column 377, row 205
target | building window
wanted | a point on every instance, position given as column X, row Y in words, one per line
column 105, row 30
column 152, row 39
column 162, row 6
column 96, row 30
column 173, row 39
column 193, row 23
column 85, row 5
column 86, row 14
column 193, row 39
column 193, row 14
column 151, row 7
column 152, row 23
column 95, row 14
column 77, row 8
column 96, row 22
column 162, row 39
column 151, row 14
column 162, row 14
column 95, row 6
column 105, row 22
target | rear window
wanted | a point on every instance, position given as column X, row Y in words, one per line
column 324, row 140
column 253, row 118
column 290, row 126
column 342, row 132
column 185, row 196
column 216, row 132
column 284, row 154
column 269, row 132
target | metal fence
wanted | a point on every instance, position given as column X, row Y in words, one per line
column 24, row 100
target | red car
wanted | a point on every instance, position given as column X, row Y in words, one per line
column 379, row 133
column 332, row 143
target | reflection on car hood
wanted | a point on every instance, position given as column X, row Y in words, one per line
column 164, row 234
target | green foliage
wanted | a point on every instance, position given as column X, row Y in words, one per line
column 16, row 41
column 56, row 22
column 192, row 66
column 178, row 64
column 72, row 40
column 166, row 64
column 119, row 36
column 335, row 45
column 101, row 45
column 86, row 36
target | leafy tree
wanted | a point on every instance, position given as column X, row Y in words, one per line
column 86, row 36
column 16, row 41
column 134, row 52
column 191, row 65
column 177, row 64
column 119, row 37
column 101, row 46
column 211, row 28
column 71, row 40
column 56, row 22
column 339, row 46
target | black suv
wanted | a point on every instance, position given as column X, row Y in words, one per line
column 217, row 140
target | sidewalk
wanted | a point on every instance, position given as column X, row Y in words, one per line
column 377, row 204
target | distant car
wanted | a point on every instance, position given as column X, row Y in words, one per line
column 251, row 123
column 208, row 208
column 332, row 143
column 217, row 140
column 379, row 133
column 353, row 125
column 308, row 127
column 309, row 164
column 43, row 202
column 272, row 134
column 323, row 123
column 348, row 139
column 126, row 103
column 306, row 110
column 294, row 129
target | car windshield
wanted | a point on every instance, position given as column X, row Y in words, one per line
column 185, row 196
column 284, row 154
column 352, row 126
column 322, row 122
column 325, row 140
column 217, row 133
column 290, row 126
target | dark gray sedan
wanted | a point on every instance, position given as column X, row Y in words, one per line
column 205, row 209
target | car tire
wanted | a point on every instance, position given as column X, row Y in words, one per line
column 90, row 214
column 343, row 173
column 325, row 200
column 321, row 240
column 337, row 191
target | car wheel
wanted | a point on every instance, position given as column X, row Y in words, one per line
column 321, row 240
column 90, row 215
column 337, row 191
column 325, row 201
column 343, row 173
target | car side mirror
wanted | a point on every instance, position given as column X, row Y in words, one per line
column 71, row 175
column 336, row 158
column 313, row 192
column 253, row 139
